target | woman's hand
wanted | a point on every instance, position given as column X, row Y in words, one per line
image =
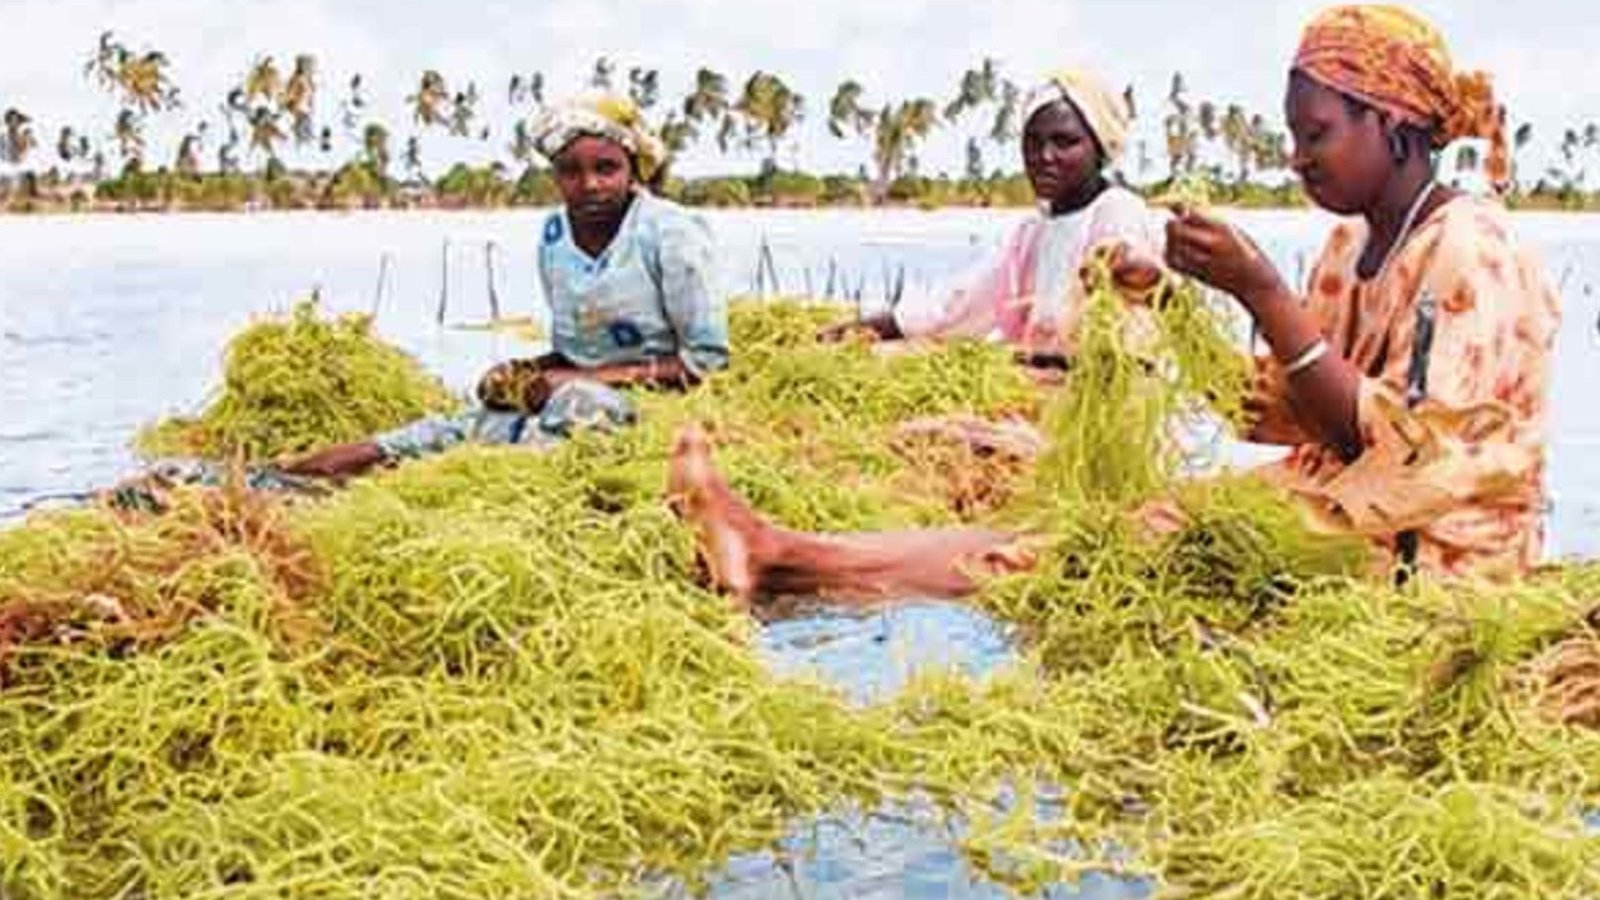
column 839, row 332
column 518, row 385
column 879, row 327
column 1215, row 252
column 1135, row 274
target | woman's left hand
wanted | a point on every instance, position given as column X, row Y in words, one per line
column 1220, row 255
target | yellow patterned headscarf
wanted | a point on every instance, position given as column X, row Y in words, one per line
column 1397, row 61
column 1105, row 111
column 610, row 116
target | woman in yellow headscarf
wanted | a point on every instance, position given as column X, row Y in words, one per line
column 1411, row 381
column 630, row 282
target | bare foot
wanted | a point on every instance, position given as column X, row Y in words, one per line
column 726, row 530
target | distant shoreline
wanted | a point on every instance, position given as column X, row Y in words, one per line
column 465, row 189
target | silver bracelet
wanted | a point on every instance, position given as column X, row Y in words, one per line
column 1307, row 358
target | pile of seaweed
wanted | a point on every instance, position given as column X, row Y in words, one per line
column 298, row 382
column 495, row 672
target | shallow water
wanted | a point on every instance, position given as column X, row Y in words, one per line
column 110, row 322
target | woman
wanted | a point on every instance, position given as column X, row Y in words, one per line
column 629, row 279
column 1411, row 384
column 1075, row 129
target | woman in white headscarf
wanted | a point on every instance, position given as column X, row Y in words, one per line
column 1075, row 130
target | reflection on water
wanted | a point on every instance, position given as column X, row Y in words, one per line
column 905, row 849
column 871, row 655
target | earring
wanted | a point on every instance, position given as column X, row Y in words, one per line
column 1397, row 147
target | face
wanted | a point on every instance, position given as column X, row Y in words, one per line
column 594, row 176
column 1341, row 152
column 1059, row 153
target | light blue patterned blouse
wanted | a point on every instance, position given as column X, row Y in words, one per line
column 649, row 294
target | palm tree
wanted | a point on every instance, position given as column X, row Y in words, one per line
column 463, row 109
column 66, row 145
column 19, row 140
column 299, row 96
column 429, row 103
column 845, row 112
column 144, row 80
column 1238, row 137
column 263, row 82
column 709, row 99
column 1008, row 110
column 601, row 77
column 644, row 87
column 676, row 133
column 1568, row 174
column 708, row 102
column 265, row 135
column 1207, row 119
column 375, row 146
column 188, row 159
column 974, row 167
column 977, row 87
column 1519, row 140
column 102, row 66
column 1271, row 146
column 351, row 106
column 521, row 146
column 413, row 158
column 129, row 134
column 1180, row 130
column 228, row 153
column 770, row 109
column 899, row 129
column 141, row 79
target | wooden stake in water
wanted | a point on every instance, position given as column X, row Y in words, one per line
column 488, row 274
column 444, row 279
column 771, row 267
column 759, row 286
column 383, row 277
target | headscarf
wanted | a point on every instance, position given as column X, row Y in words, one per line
column 1393, row 59
column 609, row 116
column 1104, row 111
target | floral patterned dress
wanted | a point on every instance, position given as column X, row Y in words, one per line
column 1452, row 441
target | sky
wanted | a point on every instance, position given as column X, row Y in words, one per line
column 1542, row 52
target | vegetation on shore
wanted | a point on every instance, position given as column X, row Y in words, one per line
column 280, row 138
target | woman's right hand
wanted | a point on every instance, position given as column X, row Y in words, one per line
column 841, row 331
column 517, row 385
column 881, row 327
column 1208, row 249
column 1135, row 274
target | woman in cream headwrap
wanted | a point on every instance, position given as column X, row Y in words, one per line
column 1075, row 128
column 1411, row 383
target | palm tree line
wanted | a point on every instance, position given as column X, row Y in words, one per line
column 275, row 106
